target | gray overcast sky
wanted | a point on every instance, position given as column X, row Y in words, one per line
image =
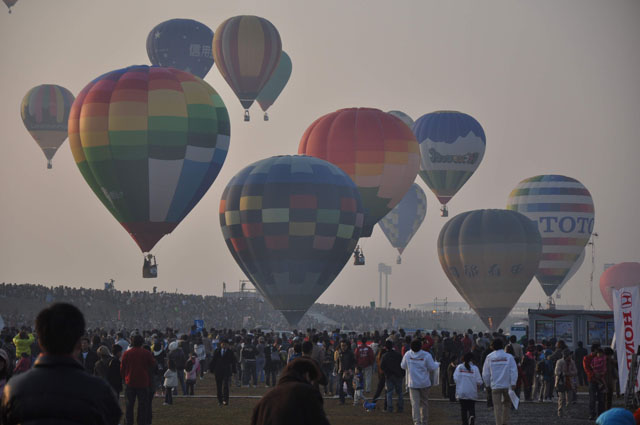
column 555, row 84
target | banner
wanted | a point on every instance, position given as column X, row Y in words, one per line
column 626, row 315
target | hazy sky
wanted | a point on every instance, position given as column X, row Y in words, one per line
column 555, row 84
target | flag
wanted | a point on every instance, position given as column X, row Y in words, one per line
column 626, row 316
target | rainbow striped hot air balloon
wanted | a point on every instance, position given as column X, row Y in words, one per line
column 149, row 141
column 247, row 50
column 563, row 210
column 45, row 112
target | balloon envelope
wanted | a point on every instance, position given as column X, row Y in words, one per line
column 183, row 44
column 403, row 117
column 10, row 3
column 291, row 223
column 572, row 271
column 377, row 150
column 404, row 219
column 563, row 210
column 276, row 83
column 246, row 50
column 452, row 146
column 490, row 256
column 45, row 112
column 620, row 276
column 149, row 142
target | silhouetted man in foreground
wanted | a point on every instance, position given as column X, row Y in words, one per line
column 57, row 388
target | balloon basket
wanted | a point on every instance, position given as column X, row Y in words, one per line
column 399, row 260
column 246, row 115
column 358, row 257
column 266, row 116
column 49, row 165
column 444, row 212
column 150, row 267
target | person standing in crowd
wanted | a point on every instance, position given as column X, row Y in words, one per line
column 101, row 367
column 579, row 355
column 36, row 396
column 467, row 379
column 223, row 366
column 135, row 368
column 365, row 360
column 260, row 360
column 122, row 342
column 113, row 374
column 179, row 359
column 170, row 382
column 358, row 386
column 275, row 363
column 307, row 352
column 345, row 366
column 191, row 372
column 392, row 373
column 596, row 396
column 610, row 376
column 328, row 366
column 517, row 348
column 23, row 342
column 565, row 371
column 451, row 368
column 5, row 370
column 248, row 360
column 87, row 357
column 500, row 372
column 418, row 364
column 294, row 400
column 381, row 376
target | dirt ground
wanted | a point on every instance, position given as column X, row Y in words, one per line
column 203, row 409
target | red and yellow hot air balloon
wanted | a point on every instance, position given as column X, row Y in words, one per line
column 246, row 50
column 376, row 149
column 45, row 111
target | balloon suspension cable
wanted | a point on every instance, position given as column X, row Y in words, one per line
column 266, row 116
column 246, row 115
column 444, row 212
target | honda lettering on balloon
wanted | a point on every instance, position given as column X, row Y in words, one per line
column 563, row 210
column 626, row 316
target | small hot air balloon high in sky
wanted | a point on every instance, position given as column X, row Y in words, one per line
column 563, row 210
column 404, row 220
column 490, row 256
column 376, row 149
column 275, row 85
column 291, row 223
column 183, row 44
column 149, row 141
column 45, row 112
column 247, row 51
column 622, row 275
column 452, row 146
column 10, row 3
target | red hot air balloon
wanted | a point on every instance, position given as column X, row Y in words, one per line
column 621, row 275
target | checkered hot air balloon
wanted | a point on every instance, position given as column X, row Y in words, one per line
column 404, row 219
column 45, row 112
column 563, row 210
column 376, row 149
column 149, row 141
column 291, row 223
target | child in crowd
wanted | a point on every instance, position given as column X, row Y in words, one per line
column 191, row 371
column 170, row 382
column 358, row 386
column 599, row 365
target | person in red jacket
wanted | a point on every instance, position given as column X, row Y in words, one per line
column 595, row 393
column 135, row 367
column 365, row 359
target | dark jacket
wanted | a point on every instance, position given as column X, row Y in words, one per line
column 58, row 390
column 178, row 358
column 113, row 375
column 390, row 364
column 223, row 365
column 88, row 362
column 293, row 401
column 346, row 361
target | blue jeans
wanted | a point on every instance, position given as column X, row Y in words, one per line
column 394, row 383
column 260, row 361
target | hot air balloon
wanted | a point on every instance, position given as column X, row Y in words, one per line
column 291, row 223
column 404, row 117
column 622, row 275
column 404, row 219
column 490, row 256
column 275, row 85
column 149, row 141
column 572, row 271
column 247, row 50
column 183, row 44
column 10, row 3
column 45, row 111
column 452, row 146
column 563, row 210
column 377, row 150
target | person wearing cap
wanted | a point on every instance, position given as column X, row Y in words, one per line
column 58, row 386
column 223, row 366
column 616, row 416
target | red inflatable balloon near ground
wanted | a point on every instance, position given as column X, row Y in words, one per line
column 619, row 276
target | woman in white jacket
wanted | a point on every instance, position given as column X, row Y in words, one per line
column 467, row 378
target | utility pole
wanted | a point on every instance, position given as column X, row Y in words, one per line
column 386, row 270
column 592, row 242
